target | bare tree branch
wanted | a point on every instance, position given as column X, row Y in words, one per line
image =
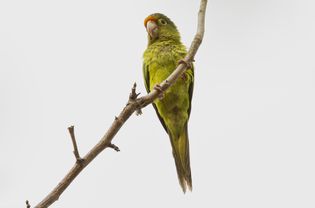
column 134, row 104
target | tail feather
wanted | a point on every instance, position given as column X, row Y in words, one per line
column 180, row 146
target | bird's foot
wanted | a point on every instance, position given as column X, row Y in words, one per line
column 159, row 89
column 183, row 76
column 187, row 63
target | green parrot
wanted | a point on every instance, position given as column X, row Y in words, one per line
column 163, row 53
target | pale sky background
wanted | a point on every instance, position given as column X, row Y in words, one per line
column 252, row 127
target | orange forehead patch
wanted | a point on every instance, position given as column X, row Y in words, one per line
column 146, row 20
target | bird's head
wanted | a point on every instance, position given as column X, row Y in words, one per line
column 160, row 27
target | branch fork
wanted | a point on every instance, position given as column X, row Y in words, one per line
column 114, row 147
column 133, row 99
column 74, row 143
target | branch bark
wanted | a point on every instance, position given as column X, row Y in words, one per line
column 134, row 105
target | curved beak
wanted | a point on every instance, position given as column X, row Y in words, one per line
column 152, row 29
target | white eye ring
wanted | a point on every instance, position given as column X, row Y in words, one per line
column 162, row 21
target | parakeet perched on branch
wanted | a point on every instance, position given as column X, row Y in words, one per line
column 161, row 57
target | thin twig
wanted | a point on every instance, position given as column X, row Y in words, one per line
column 74, row 142
column 133, row 95
column 114, row 147
column 27, row 204
column 134, row 103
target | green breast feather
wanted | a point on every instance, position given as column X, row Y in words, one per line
column 160, row 60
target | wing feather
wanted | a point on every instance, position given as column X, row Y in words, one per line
column 191, row 89
column 146, row 75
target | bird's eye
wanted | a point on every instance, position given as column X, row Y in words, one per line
column 162, row 21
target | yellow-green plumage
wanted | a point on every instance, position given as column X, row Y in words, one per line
column 161, row 57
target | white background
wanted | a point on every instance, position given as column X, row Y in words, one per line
column 251, row 131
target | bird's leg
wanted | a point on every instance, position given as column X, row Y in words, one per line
column 188, row 65
column 159, row 89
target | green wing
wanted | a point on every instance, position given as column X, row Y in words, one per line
column 191, row 87
column 146, row 76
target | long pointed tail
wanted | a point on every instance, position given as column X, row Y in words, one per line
column 180, row 147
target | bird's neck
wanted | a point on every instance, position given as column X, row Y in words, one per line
column 164, row 41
